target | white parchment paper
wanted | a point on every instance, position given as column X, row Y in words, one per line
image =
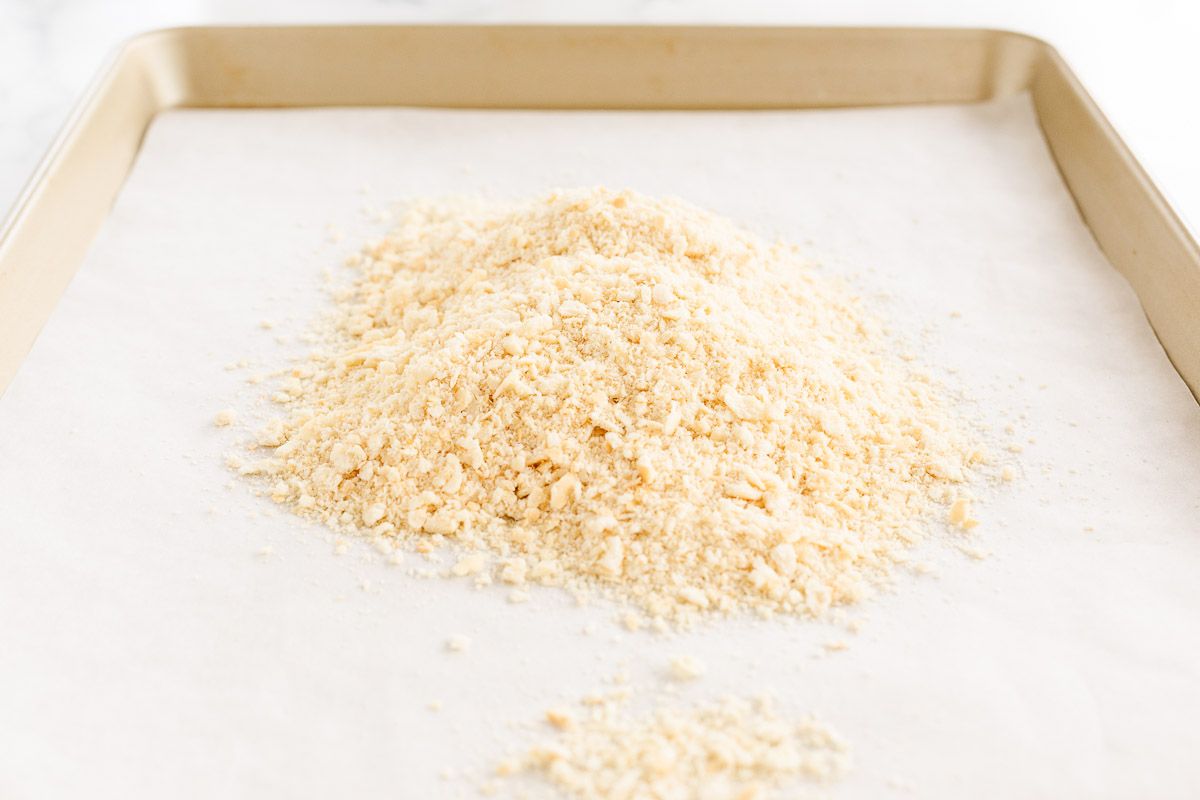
column 150, row 647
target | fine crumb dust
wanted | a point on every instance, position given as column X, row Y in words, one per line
column 601, row 389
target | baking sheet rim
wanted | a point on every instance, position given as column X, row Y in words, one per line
column 157, row 70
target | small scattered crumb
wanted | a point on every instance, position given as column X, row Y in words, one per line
column 976, row 553
column 686, row 668
column 561, row 719
column 434, row 705
column 266, row 324
column 225, row 418
column 458, row 643
column 836, row 645
column 517, row 596
column 264, row 551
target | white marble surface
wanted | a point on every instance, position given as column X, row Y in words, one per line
column 1138, row 58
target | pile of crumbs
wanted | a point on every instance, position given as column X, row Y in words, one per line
column 734, row 749
column 596, row 388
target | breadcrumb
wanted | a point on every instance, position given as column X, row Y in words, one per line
column 734, row 748
column 686, row 668
column 563, row 720
column 607, row 390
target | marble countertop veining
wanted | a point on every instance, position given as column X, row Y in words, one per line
column 1138, row 59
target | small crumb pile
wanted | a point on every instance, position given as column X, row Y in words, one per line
column 598, row 388
column 735, row 749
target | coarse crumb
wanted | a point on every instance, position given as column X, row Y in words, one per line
column 458, row 643
column 225, row 417
column 471, row 564
column 608, row 390
column 960, row 514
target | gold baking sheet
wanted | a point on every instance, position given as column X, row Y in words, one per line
column 304, row 673
column 48, row 231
